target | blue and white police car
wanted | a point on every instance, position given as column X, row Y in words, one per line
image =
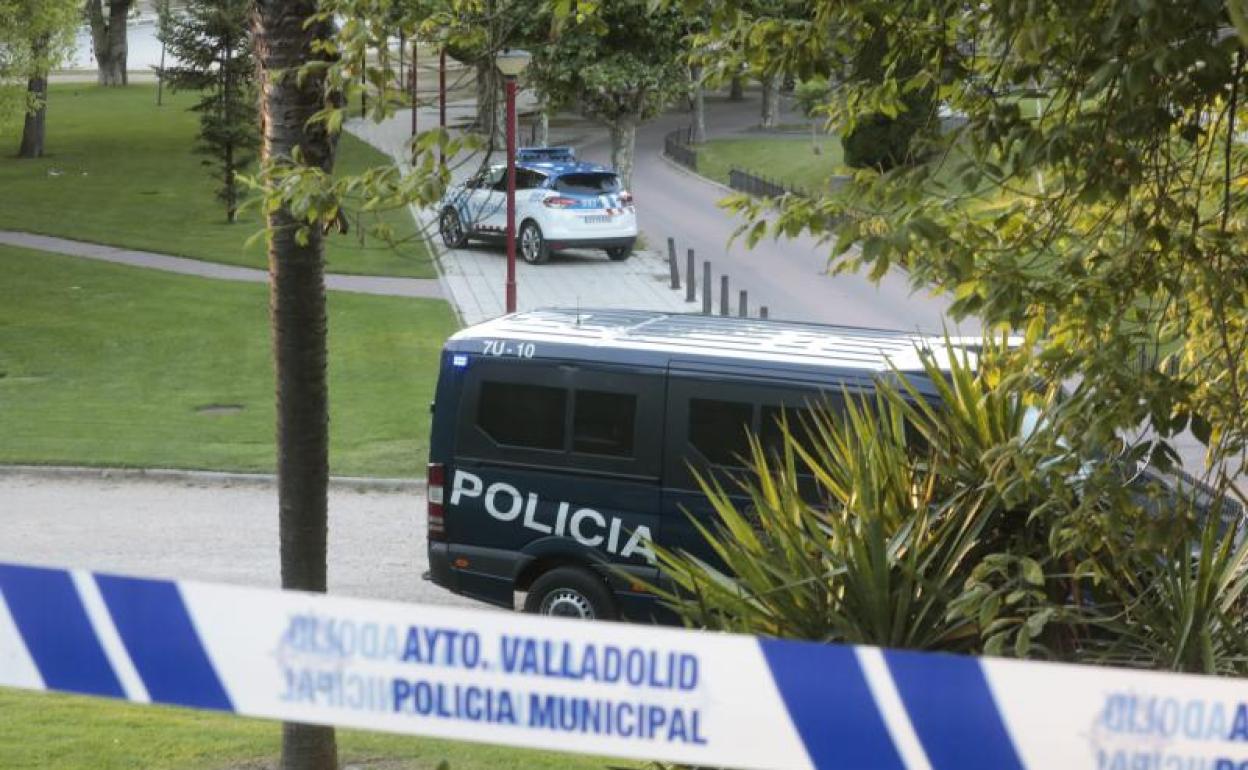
column 560, row 204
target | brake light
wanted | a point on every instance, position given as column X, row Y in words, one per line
column 559, row 202
column 436, row 521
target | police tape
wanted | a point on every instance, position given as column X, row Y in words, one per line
column 601, row 688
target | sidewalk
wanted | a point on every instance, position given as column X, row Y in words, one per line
column 473, row 278
column 426, row 288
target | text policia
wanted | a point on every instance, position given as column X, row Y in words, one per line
column 584, row 525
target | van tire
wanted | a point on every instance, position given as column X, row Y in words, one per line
column 570, row 592
column 619, row 253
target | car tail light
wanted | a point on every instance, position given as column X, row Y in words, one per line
column 559, row 202
column 436, row 528
column 626, row 198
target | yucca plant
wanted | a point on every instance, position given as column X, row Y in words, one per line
column 1181, row 608
column 855, row 531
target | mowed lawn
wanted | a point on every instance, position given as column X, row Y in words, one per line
column 789, row 159
column 109, row 365
column 62, row 732
column 120, row 170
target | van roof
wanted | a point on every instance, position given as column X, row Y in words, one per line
column 659, row 339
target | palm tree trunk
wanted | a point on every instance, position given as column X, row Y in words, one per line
column 297, row 309
column 34, row 128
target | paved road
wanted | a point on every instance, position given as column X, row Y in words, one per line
column 359, row 284
column 213, row 531
column 789, row 276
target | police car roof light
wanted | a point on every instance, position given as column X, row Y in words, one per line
column 546, row 154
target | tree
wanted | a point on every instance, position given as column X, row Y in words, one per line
column 294, row 147
column 625, row 69
column 108, row 39
column 1093, row 199
column 35, row 35
column 212, row 42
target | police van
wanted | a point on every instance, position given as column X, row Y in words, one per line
column 563, row 441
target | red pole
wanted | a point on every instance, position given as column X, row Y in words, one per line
column 415, row 47
column 442, row 103
column 511, row 195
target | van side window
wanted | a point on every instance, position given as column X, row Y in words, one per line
column 603, row 423
column 718, row 429
column 519, row 415
column 799, row 424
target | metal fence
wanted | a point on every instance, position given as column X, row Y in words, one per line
column 761, row 187
column 676, row 145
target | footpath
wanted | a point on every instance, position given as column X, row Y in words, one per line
column 473, row 278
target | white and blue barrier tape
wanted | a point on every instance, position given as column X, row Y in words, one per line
column 600, row 688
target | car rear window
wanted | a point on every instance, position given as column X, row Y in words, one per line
column 588, row 183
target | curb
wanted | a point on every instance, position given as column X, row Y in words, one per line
column 221, row 478
column 687, row 172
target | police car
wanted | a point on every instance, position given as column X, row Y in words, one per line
column 560, row 204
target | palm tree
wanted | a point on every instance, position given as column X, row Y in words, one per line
column 284, row 39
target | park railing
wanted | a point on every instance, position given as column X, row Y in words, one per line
column 677, row 145
column 761, row 187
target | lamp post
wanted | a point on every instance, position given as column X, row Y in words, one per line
column 511, row 62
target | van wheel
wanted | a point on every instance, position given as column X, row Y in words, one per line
column 452, row 229
column 619, row 253
column 533, row 246
column 570, row 592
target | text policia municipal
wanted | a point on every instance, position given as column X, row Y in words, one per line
column 584, row 525
column 341, row 664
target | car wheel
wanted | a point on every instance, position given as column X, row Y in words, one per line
column 570, row 592
column 619, row 253
column 533, row 247
column 452, row 229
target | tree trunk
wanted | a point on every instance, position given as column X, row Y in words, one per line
column 542, row 136
column 699, row 106
column 488, row 121
column 297, row 311
column 771, row 101
column 623, row 145
column 34, row 129
column 108, row 39
column 736, row 91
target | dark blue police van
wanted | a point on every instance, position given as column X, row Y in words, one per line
column 563, row 440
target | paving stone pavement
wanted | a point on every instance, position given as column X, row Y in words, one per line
column 473, row 278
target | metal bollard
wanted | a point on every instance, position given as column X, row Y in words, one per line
column 671, row 261
column 691, row 282
column 723, row 295
column 706, row 288
column 762, row 311
column 743, row 306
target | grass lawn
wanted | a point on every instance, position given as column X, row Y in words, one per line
column 61, row 732
column 121, row 171
column 789, row 159
column 109, row 365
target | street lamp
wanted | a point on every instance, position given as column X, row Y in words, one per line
column 511, row 62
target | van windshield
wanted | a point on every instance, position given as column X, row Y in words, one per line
column 593, row 183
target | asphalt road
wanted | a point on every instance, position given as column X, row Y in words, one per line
column 212, row 531
column 789, row 276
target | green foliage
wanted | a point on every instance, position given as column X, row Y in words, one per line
column 35, row 36
column 212, row 42
column 1108, row 224
column 883, row 140
column 865, row 533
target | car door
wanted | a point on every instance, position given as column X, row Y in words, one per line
column 483, row 200
column 527, row 181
